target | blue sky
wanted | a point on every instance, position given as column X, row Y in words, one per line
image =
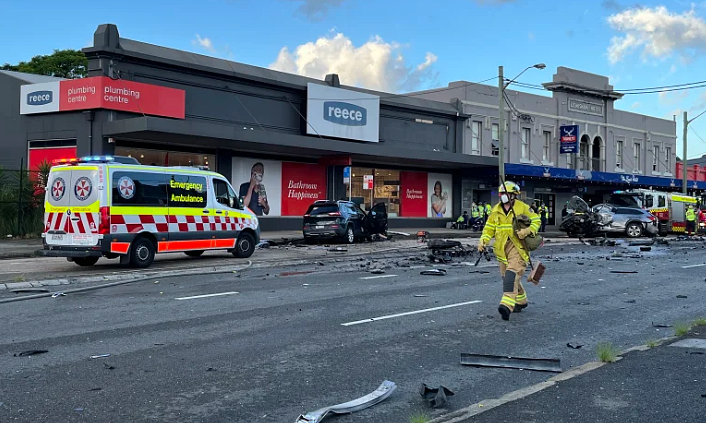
column 438, row 42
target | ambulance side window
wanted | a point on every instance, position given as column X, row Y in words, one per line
column 187, row 191
column 662, row 201
column 225, row 194
column 649, row 201
column 138, row 188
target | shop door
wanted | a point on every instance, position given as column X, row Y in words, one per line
column 549, row 201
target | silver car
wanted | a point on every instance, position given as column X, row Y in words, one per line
column 631, row 221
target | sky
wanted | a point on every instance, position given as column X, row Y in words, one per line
column 400, row 46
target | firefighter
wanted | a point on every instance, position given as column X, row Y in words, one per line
column 690, row 220
column 512, row 256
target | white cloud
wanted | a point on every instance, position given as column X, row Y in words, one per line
column 672, row 97
column 635, row 105
column 700, row 104
column 316, row 10
column 657, row 32
column 376, row 65
column 205, row 43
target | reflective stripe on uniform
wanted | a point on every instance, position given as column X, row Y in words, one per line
column 507, row 301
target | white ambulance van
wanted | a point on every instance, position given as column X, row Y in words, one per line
column 113, row 207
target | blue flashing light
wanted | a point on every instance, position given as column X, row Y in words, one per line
column 101, row 159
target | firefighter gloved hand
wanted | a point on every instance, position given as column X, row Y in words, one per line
column 524, row 233
column 481, row 245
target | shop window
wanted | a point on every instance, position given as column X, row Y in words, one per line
column 152, row 157
column 655, row 158
column 386, row 189
column 496, row 139
column 546, row 151
column 526, row 133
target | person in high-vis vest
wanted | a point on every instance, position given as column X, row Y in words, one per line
column 690, row 220
column 475, row 213
column 488, row 209
column 509, row 249
column 544, row 215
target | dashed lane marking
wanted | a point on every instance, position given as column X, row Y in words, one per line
column 206, row 296
column 409, row 313
column 378, row 277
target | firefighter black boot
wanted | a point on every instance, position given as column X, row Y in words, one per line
column 504, row 312
column 519, row 308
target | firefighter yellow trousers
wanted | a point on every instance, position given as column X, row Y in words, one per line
column 513, row 291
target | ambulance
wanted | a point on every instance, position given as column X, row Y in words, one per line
column 668, row 207
column 113, row 207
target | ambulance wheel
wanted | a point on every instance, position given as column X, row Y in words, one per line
column 142, row 253
column 194, row 253
column 86, row 261
column 245, row 246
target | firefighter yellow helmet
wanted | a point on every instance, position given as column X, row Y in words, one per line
column 509, row 187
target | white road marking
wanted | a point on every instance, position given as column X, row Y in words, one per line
column 693, row 265
column 206, row 296
column 378, row 277
column 409, row 313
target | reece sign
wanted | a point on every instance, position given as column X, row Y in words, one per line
column 101, row 92
column 339, row 113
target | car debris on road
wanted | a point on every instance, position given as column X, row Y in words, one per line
column 380, row 394
column 433, row 272
column 436, row 397
column 508, row 362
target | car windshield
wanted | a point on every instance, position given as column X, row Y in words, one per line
column 323, row 209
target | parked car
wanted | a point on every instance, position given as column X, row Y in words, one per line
column 343, row 220
column 631, row 221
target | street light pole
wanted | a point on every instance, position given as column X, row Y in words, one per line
column 684, row 160
column 501, row 127
column 501, row 116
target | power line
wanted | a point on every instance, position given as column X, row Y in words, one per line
column 696, row 133
column 632, row 91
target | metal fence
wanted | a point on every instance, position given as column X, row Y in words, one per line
column 22, row 200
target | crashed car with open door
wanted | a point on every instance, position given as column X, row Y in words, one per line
column 375, row 221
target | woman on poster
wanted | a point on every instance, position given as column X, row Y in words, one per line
column 438, row 200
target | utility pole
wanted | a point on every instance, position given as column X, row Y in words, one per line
column 683, row 159
column 501, row 126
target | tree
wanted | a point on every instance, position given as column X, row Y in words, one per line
column 62, row 63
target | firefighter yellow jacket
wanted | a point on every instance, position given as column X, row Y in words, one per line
column 499, row 225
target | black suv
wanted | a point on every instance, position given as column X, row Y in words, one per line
column 343, row 220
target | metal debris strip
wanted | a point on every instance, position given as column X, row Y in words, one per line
column 58, row 294
column 508, row 362
column 30, row 352
column 338, row 249
column 433, row 272
column 623, row 271
column 398, row 233
column 574, row 346
column 659, row 325
column 641, row 242
column 380, row 394
column 100, row 356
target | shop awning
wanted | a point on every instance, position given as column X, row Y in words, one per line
column 624, row 179
column 254, row 140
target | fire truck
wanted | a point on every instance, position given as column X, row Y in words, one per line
column 669, row 207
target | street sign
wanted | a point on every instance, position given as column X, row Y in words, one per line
column 347, row 175
column 569, row 139
column 367, row 181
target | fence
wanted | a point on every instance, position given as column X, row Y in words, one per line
column 22, row 200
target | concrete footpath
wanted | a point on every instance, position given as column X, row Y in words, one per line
column 25, row 248
column 666, row 383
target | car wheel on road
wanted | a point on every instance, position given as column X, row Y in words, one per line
column 86, row 261
column 194, row 253
column 634, row 230
column 142, row 253
column 245, row 246
column 350, row 236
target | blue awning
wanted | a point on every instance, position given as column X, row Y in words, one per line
column 592, row 176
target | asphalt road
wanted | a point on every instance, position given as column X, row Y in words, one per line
column 274, row 344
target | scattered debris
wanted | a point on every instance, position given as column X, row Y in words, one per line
column 645, row 248
column 659, row 325
column 95, row 389
column 100, row 356
column 623, row 271
column 79, row 409
column 480, row 271
column 574, row 346
column 25, row 290
column 631, row 301
column 422, row 236
column 266, row 244
column 641, row 242
column 580, row 263
column 305, row 284
column 433, row 272
column 682, row 296
column 375, row 397
column 211, row 369
column 58, row 294
column 108, row 366
column 508, row 362
column 398, row 233
column 30, row 352
column 338, row 249
column 436, row 397
column 583, row 303
column 377, row 271
column 420, row 295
